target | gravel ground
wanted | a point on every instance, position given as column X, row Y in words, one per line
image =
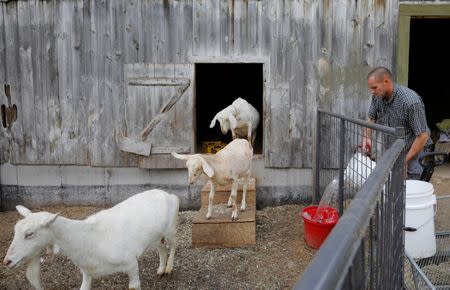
column 276, row 262
column 441, row 184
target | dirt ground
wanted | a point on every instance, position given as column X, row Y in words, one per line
column 276, row 262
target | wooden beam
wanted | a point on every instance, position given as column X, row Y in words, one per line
column 158, row 82
column 169, row 149
column 403, row 50
column 425, row 9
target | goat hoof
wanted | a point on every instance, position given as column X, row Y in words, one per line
column 161, row 275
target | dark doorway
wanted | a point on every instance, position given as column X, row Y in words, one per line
column 429, row 66
column 217, row 85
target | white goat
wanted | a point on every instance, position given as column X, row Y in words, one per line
column 107, row 242
column 241, row 117
column 234, row 161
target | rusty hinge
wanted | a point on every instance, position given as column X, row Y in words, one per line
column 8, row 112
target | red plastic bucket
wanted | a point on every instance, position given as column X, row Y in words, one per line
column 316, row 231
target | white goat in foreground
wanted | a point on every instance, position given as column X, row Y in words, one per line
column 107, row 242
column 234, row 161
column 241, row 117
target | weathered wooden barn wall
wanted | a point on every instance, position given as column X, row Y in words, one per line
column 66, row 63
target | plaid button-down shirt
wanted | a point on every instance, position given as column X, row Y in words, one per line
column 404, row 109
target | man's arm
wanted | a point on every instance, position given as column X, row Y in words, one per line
column 367, row 137
column 418, row 124
column 417, row 146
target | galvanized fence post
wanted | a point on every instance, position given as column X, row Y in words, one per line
column 341, row 165
column 365, row 249
column 398, row 194
column 316, row 161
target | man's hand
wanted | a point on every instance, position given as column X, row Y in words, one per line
column 367, row 138
column 367, row 145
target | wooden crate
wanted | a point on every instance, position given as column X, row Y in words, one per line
column 223, row 193
column 220, row 231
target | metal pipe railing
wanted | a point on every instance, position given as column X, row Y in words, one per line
column 321, row 116
column 330, row 266
column 374, row 126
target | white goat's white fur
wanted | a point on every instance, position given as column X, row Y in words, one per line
column 241, row 117
column 230, row 164
column 107, row 242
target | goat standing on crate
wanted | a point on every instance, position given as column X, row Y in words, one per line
column 230, row 164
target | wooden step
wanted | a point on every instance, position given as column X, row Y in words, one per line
column 223, row 193
column 251, row 186
column 220, row 231
column 222, row 197
column 222, row 214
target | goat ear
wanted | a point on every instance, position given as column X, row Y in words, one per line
column 213, row 122
column 207, row 168
column 23, row 210
column 49, row 220
column 180, row 156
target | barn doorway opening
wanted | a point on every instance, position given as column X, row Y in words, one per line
column 217, row 85
column 428, row 67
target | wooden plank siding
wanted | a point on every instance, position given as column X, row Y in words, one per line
column 4, row 136
column 67, row 64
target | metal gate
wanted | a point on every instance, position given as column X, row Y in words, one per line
column 365, row 249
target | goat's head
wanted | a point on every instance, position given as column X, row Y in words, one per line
column 224, row 122
column 196, row 165
column 31, row 237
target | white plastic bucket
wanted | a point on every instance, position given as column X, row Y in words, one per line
column 420, row 240
column 358, row 169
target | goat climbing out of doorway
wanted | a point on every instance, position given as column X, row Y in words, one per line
column 241, row 118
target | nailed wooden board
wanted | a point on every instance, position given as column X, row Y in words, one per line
column 230, row 235
column 221, row 232
column 250, row 186
column 222, row 216
column 221, row 197
column 223, row 193
column 68, row 66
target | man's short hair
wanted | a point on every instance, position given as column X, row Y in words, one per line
column 379, row 73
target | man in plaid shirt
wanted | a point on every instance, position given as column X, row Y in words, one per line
column 394, row 105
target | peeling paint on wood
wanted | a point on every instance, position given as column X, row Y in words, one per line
column 66, row 62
